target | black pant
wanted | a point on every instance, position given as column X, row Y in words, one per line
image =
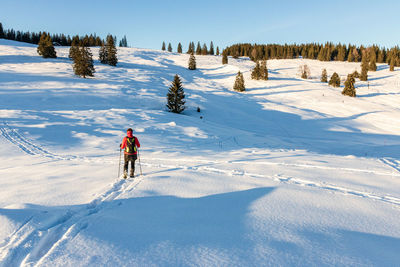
column 132, row 159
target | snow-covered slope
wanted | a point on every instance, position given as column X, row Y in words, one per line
column 288, row 173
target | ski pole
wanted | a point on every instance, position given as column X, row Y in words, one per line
column 119, row 163
column 140, row 164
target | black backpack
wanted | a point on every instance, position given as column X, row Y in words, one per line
column 130, row 145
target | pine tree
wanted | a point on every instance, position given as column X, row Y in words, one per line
column 163, row 46
column 179, row 49
column 112, row 59
column 192, row 62
column 349, row 88
column 198, row 49
column 217, row 51
column 211, row 52
column 2, row 35
column 169, row 47
column 263, row 70
column 74, row 47
column 372, row 60
column 324, row 76
column 356, row 74
column 83, row 62
column 335, row 80
column 256, row 72
column 204, row 50
column 191, row 48
column 123, row 42
column 392, row 64
column 239, row 83
column 45, row 47
column 224, row 58
column 364, row 66
column 176, row 96
column 102, row 54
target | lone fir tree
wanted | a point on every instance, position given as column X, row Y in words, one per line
column 163, row 46
column 349, row 88
column 364, row 66
column 239, row 83
column 335, row 80
column 192, row 62
column 179, row 49
column 217, row 53
column 392, row 61
column 263, row 70
column 372, row 60
column 176, row 96
column 256, row 72
column 102, row 54
column 45, row 47
column 211, row 51
column 74, row 47
column 83, row 62
column 123, row 42
column 112, row 59
column 169, row 47
column 224, row 58
column 324, row 76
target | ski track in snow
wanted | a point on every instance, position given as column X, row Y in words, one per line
column 29, row 147
column 32, row 242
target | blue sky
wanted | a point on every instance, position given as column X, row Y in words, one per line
column 148, row 23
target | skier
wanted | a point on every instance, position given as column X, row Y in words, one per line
column 130, row 144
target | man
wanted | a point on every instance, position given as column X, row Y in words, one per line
column 130, row 144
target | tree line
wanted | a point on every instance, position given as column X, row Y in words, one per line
column 322, row 52
column 57, row 39
column 193, row 49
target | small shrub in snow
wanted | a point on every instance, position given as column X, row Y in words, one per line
column 305, row 71
column 176, row 96
column 239, row 83
column 356, row 74
column 335, row 80
column 349, row 88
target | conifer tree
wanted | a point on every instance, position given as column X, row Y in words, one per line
column 256, row 72
column 169, row 47
column 364, row 66
column 176, row 96
column 356, row 74
column 191, row 48
column 391, row 68
column 350, row 57
column 239, row 83
column 335, row 80
column 102, row 54
column 123, row 42
column 224, row 58
column 217, row 51
column 2, row 35
column 211, row 51
column 45, row 47
column 179, row 49
column 372, row 60
column 163, row 46
column 112, row 59
column 204, row 50
column 198, row 49
column 83, row 62
column 263, row 70
column 349, row 88
column 324, row 76
column 74, row 47
column 192, row 62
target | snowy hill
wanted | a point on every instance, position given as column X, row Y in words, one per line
column 288, row 173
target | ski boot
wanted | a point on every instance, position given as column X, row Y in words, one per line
column 125, row 174
column 132, row 175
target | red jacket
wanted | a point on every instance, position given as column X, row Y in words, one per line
column 123, row 145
